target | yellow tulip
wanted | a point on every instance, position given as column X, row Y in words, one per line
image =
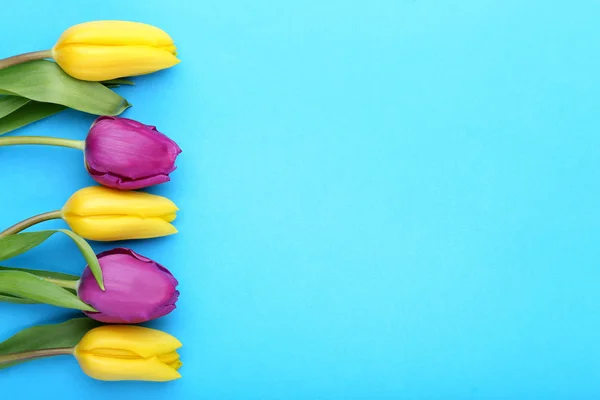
column 126, row 353
column 104, row 50
column 103, row 214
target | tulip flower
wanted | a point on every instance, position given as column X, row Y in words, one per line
column 137, row 289
column 129, row 353
column 111, row 352
column 99, row 213
column 105, row 50
column 103, row 214
column 119, row 152
column 125, row 154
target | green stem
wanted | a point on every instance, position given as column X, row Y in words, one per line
column 31, row 355
column 16, row 228
column 21, row 58
column 49, row 141
column 63, row 282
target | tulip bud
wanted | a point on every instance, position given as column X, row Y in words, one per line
column 103, row 214
column 125, row 353
column 104, row 50
column 125, row 154
column 137, row 289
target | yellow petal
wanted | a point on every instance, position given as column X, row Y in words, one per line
column 144, row 342
column 116, row 33
column 169, row 358
column 102, row 201
column 169, row 217
column 99, row 63
column 118, row 369
column 111, row 228
column 116, row 353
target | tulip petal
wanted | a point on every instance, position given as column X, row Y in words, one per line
column 169, row 358
column 169, row 217
column 176, row 365
column 116, row 33
column 116, row 353
column 137, row 289
column 101, row 201
column 144, row 342
column 116, row 182
column 119, row 227
column 129, row 150
column 122, row 369
column 99, row 63
column 125, row 154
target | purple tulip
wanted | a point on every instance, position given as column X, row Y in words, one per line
column 125, row 154
column 137, row 288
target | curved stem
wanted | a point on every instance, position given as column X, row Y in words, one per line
column 31, row 355
column 16, row 228
column 49, row 141
column 21, row 58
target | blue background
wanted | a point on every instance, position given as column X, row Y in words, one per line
column 379, row 199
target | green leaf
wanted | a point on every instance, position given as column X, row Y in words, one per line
column 88, row 253
column 28, row 286
column 46, row 82
column 13, row 245
column 44, row 274
column 9, row 104
column 31, row 112
column 7, row 298
column 118, row 82
column 43, row 337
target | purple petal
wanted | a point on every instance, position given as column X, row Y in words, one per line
column 126, row 154
column 137, row 288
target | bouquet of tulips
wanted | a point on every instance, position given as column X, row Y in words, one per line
column 119, row 287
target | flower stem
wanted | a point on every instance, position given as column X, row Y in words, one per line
column 16, row 228
column 31, row 355
column 49, row 141
column 21, row 58
column 68, row 284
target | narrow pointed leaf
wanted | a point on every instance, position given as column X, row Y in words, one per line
column 46, row 82
column 43, row 337
column 28, row 286
column 14, row 245
column 44, row 274
column 88, row 253
column 31, row 112
column 4, row 297
column 7, row 298
column 9, row 104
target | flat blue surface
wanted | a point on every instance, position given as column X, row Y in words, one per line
column 379, row 199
